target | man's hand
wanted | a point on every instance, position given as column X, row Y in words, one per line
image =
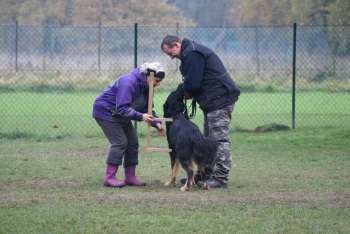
column 188, row 95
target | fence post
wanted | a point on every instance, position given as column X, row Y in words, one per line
column 294, row 65
column 257, row 50
column 135, row 60
column 16, row 50
column 135, row 45
column 176, row 60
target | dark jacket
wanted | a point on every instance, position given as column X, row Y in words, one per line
column 206, row 78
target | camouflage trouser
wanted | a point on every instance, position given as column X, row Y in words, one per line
column 217, row 125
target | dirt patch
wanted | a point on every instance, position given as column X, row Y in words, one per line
column 211, row 198
column 86, row 153
column 271, row 127
column 45, row 190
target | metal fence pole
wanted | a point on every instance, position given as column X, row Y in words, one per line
column 294, row 65
column 177, row 34
column 257, row 50
column 16, row 55
column 135, row 45
column 99, row 46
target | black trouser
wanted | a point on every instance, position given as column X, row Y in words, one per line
column 123, row 140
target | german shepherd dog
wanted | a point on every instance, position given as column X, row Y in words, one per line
column 189, row 146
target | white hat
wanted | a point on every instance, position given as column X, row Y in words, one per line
column 155, row 67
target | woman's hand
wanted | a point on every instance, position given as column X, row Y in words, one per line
column 160, row 129
column 148, row 119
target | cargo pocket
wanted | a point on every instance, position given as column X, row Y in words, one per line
column 219, row 124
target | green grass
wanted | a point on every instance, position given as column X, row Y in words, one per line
column 70, row 113
column 281, row 182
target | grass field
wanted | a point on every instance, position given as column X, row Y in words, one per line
column 281, row 182
column 38, row 113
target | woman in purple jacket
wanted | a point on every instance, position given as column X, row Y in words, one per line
column 126, row 99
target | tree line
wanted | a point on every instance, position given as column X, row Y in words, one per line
column 218, row 13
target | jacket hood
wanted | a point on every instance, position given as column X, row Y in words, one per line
column 140, row 77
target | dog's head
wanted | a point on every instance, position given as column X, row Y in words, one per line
column 174, row 104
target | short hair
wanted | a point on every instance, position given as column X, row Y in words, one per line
column 169, row 41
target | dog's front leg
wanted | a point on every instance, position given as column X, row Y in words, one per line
column 170, row 183
column 184, row 188
column 174, row 172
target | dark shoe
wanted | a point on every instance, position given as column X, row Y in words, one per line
column 197, row 178
column 213, row 183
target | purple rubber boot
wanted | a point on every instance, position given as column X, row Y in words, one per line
column 130, row 177
column 111, row 180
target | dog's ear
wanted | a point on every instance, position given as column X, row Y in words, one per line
column 179, row 88
column 169, row 105
column 180, row 91
column 166, row 108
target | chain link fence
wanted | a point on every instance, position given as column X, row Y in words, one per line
column 293, row 76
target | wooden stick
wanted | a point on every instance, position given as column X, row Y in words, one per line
column 164, row 119
column 150, row 103
column 158, row 149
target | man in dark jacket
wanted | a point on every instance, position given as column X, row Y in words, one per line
column 126, row 99
column 209, row 84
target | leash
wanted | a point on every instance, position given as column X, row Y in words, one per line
column 193, row 105
column 193, row 110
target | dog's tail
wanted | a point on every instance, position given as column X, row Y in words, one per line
column 204, row 146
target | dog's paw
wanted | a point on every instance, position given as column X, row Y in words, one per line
column 170, row 184
column 184, row 189
column 205, row 187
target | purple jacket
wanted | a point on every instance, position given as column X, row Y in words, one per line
column 124, row 99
